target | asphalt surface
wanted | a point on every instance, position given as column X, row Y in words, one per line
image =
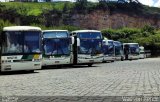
column 120, row 78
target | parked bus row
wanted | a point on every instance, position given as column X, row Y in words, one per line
column 29, row 48
column 115, row 50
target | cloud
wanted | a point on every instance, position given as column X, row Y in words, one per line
column 157, row 4
column 147, row 2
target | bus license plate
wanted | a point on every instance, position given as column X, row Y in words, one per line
column 56, row 61
column 91, row 60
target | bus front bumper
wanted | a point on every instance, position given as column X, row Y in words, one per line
column 18, row 66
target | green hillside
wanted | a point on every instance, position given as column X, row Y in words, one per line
column 54, row 16
column 35, row 8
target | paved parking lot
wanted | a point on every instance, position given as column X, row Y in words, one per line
column 121, row 78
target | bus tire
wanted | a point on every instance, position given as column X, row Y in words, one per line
column 90, row 65
column 122, row 58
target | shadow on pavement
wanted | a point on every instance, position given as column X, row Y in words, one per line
column 17, row 73
column 66, row 67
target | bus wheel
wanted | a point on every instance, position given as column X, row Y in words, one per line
column 90, row 65
column 112, row 61
column 122, row 59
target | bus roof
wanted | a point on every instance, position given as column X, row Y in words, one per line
column 21, row 28
column 117, row 41
column 129, row 43
column 82, row 31
column 107, row 40
column 55, row 31
column 110, row 40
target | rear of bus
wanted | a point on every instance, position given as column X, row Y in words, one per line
column 56, row 47
column 87, row 47
column 21, row 48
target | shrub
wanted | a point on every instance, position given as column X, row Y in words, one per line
column 4, row 24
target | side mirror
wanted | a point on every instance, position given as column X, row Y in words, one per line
column 78, row 42
column 105, row 42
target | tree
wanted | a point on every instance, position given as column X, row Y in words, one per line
column 81, row 4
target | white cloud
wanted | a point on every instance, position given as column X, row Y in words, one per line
column 147, row 2
column 157, row 4
column 2, row 0
column 93, row 0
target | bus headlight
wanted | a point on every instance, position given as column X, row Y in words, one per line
column 37, row 60
column 6, row 61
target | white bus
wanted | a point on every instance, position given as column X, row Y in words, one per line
column 87, row 48
column 108, row 50
column 20, row 48
column 119, row 55
column 56, row 47
column 131, row 51
column 142, row 54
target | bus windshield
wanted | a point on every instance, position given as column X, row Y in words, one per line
column 134, row 48
column 90, row 46
column 55, row 34
column 110, row 48
column 57, row 46
column 90, row 35
column 118, row 48
column 17, row 42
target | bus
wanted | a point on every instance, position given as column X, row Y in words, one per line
column 20, row 48
column 142, row 52
column 131, row 51
column 108, row 50
column 56, row 47
column 87, row 48
column 119, row 55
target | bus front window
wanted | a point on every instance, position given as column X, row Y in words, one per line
column 90, row 35
column 12, row 43
column 56, row 46
column 55, row 34
column 134, row 49
column 110, row 48
column 118, row 50
column 31, row 42
column 90, row 46
column 18, row 42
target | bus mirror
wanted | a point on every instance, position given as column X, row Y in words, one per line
column 78, row 42
column 105, row 42
column 72, row 40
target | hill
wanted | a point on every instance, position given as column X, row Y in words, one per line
column 126, row 22
column 98, row 15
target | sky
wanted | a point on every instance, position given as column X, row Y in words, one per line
column 155, row 3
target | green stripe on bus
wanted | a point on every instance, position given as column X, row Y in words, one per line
column 27, row 57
